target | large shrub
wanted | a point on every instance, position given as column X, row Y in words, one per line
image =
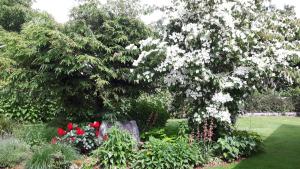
column 117, row 150
column 159, row 154
column 13, row 152
column 54, row 156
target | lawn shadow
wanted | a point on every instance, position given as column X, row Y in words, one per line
column 282, row 151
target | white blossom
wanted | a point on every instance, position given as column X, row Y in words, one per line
column 221, row 97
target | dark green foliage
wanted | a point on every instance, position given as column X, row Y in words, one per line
column 117, row 150
column 27, row 109
column 294, row 95
column 35, row 135
column 6, row 125
column 270, row 102
column 54, row 156
column 159, row 154
column 16, row 97
column 151, row 111
column 12, row 152
column 14, row 13
column 83, row 64
column 240, row 144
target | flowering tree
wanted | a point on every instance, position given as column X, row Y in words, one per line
column 215, row 52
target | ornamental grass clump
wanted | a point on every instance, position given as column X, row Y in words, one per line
column 54, row 156
column 13, row 152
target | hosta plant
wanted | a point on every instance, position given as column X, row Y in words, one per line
column 160, row 154
column 239, row 144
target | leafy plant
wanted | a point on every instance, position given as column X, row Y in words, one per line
column 253, row 142
column 117, row 151
column 159, row 154
column 12, row 152
column 23, row 107
column 240, row 144
column 54, row 156
column 158, row 133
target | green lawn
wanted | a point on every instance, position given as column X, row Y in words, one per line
column 282, row 143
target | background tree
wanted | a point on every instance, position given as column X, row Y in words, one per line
column 82, row 63
column 13, row 13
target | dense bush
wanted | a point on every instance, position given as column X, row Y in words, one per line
column 159, row 154
column 151, row 111
column 117, row 150
column 12, row 152
column 269, row 102
column 22, row 107
column 239, row 144
column 35, row 135
column 54, row 156
column 6, row 125
column 294, row 94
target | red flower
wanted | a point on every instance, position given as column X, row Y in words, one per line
column 72, row 139
column 105, row 137
column 70, row 126
column 54, row 140
column 97, row 133
column 61, row 132
column 79, row 131
column 96, row 124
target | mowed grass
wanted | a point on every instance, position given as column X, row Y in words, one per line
column 281, row 139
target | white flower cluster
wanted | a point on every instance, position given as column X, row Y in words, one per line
column 223, row 50
column 221, row 98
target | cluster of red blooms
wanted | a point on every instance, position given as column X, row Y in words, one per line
column 79, row 131
column 61, row 132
